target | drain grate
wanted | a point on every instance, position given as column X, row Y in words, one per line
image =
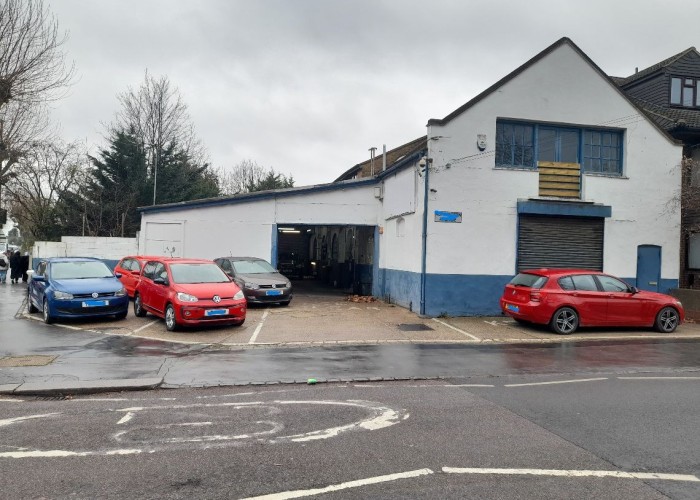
column 14, row 361
column 414, row 327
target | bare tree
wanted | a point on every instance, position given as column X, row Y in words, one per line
column 44, row 176
column 240, row 178
column 33, row 71
column 158, row 115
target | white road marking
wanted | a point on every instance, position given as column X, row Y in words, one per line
column 145, row 326
column 343, row 486
column 9, row 421
column 457, row 330
column 126, row 418
column 12, row 400
column 70, row 327
column 259, row 327
column 575, row 473
column 557, row 382
column 469, row 385
column 65, row 453
column 658, row 378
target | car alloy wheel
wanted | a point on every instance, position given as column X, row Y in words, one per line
column 46, row 313
column 564, row 321
column 138, row 306
column 667, row 320
column 170, row 323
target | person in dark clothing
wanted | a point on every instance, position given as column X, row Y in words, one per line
column 24, row 266
column 15, row 267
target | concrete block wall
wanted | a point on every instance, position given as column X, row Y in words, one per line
column 86, row 246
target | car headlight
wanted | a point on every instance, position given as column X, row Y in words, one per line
column 251, row 286
column 186, row 297
column 120, row 293
column 59, row 295
column 239, row 295
column 288, row 284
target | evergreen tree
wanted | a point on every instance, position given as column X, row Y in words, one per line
column 118, row 185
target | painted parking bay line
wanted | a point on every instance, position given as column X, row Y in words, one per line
column 259, row 327
column 458, row 330
column 575, row 473
column 573, row 381
column 343, row 486
column 145, row 326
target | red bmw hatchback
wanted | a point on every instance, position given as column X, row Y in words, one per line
column 565, row 299
column 188, row 292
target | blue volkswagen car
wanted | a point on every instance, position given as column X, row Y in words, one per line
column 76, row 287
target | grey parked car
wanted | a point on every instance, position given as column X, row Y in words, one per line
column 261, row 283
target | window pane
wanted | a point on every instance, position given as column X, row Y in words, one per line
column 547, row 145
column 675, row 90
column 688, row 96
column 697, row 93
column 611, row 284
column 568, row 146
column 585, row 282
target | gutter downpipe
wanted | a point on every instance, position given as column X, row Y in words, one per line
column 424, row 236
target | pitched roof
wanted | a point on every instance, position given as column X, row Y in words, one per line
column 562, row 41
column 670, row 119
column 652, row 69
column 365, row 168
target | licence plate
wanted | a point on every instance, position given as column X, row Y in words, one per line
column 513, row 308
column 274, row 292
column 95, row 303
column 216, row 312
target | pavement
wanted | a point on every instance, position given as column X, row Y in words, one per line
column 321, row 336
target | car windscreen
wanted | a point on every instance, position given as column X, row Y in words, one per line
column 529, row 280
column 197, row 273
column 252, row 267
column 79, row 270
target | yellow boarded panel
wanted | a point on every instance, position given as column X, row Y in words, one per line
column 561, row 180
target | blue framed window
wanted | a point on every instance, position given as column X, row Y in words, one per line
column 522, row 145
column 601, row 152
column 515, row 145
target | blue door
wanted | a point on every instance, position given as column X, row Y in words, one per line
column 648, row 267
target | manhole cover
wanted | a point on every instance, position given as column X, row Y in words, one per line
column 12, row 361
column 413, row 327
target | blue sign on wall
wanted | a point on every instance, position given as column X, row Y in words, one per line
column 441, row 216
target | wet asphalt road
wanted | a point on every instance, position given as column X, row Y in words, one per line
column 535, row 437
column 81, row 355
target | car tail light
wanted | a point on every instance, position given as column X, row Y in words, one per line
column 535, row 296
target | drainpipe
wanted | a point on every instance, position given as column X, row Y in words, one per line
column 424, row 163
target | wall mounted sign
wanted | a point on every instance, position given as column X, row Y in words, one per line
column 441, row 216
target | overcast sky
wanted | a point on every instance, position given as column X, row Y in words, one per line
column 308, row 86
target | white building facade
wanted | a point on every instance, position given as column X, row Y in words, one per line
column 551, row 167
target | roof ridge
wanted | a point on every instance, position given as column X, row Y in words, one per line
column 655, row 67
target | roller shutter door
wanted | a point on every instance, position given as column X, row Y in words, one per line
column 560, row 242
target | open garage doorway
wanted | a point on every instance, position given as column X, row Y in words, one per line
column 334, row 257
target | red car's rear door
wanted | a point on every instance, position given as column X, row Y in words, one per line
column 589, row 301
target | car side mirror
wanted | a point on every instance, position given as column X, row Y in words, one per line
column 634, row 289
column 117, row 275
column 161, row 281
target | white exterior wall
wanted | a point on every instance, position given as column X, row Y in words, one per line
column 560, row 88
column 402, row 251
column 86, row 246
column 247, row 228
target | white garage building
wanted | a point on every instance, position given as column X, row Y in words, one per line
column 550, row 167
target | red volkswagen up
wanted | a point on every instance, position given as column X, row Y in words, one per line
column 188, row 292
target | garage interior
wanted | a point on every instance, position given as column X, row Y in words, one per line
column 335, row 257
